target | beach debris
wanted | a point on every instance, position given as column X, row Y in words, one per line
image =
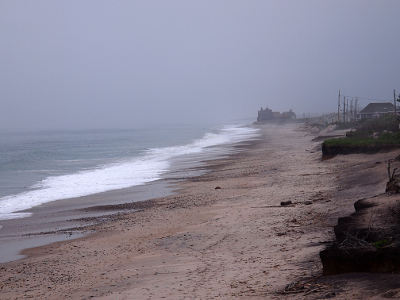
column 218, row 188
column 283, row 203
column 307, row 287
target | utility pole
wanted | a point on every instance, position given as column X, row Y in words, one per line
column 355, row 109
column 344, row 109
column 394, row 102
column 351, row 109
column 338, row 108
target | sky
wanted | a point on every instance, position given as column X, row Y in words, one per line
column 116, row 64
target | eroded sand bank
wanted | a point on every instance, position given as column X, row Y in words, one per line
column 207, row 243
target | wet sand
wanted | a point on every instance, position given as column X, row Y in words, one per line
column 223, row 235
column 69, row 218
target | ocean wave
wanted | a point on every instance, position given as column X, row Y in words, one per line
column 123, row 174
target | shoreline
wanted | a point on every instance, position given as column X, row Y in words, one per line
column 65, row 219
column 202, row 242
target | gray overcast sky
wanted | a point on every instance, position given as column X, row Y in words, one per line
column 88, row 64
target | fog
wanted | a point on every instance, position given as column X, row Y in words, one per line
column 108, row 64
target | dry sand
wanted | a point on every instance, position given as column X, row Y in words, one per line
column 227, row 243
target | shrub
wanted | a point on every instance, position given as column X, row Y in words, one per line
column 362, row 136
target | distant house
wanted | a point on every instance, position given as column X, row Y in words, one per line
column 265, row 115
column 289, row 114
column 276, row 114
column 376, row 110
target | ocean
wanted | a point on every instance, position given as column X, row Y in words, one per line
column 38, row 167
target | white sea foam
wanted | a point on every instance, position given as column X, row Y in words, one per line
column 128, row 173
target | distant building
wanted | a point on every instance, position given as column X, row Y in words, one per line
column 276, row 114
column 267, row 115
column 289, row 114
column 376, row 110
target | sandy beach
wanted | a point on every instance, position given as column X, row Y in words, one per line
column 221, row 235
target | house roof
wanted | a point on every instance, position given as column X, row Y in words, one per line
column 383, row 107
